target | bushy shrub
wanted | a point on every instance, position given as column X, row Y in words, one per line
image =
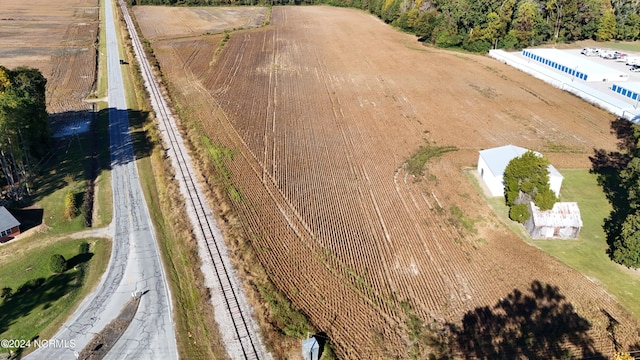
column 519, row 213
column 478, row 46
column 526, row 178
column 545, row 199
column 6, row 293
column 87, row 204
column 447, row 40
column 619, row 355
column 70, row 208
column 84, row 247
column 57, row 263
column 30, row 285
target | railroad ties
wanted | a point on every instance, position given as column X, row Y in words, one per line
column 245, row 343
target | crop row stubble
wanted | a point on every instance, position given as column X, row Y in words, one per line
column 74, row 65
column 319, row 135
column 58, row 38
column 316, row 289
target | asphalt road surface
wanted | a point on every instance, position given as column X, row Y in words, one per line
column 135, row 264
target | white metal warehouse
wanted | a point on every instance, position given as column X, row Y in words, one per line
column 492, row 162
column 579, row 68
column 628, row 89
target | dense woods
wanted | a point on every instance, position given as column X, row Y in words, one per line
column 482, row 25
column 24, row 127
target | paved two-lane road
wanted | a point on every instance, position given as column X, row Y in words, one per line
column 135, row 264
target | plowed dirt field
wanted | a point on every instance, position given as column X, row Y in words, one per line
column 58, row 38
column 182, row 22
column 321, row 109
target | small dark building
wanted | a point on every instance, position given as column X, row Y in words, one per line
column 9, row 226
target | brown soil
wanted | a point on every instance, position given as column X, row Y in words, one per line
column 56, row 37
column 321, row 109
column 181, row 22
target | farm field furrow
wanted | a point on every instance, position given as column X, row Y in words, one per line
column 321, row 109
column 184, row 22
column 58, row 39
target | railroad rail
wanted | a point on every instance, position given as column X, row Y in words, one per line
column 244, row 343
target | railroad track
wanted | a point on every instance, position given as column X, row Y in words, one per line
column 244, row 343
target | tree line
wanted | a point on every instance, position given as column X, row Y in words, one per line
column 25, row 136
column 479, row 25
column 618, row 173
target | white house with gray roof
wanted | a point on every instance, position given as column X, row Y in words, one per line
column 492, row 162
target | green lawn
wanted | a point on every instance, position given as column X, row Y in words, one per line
column 624, row 46
column 587, row 254
column 40, row 307
column 66, row 172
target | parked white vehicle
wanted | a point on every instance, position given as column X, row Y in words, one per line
column 608, row 54
column 590, row 51
column 633, row 60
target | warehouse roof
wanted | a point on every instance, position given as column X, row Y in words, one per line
column 498, row 158
column 576, row 62
column 630, row 85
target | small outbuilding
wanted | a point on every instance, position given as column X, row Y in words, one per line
column 492, row 162
column 310, row 349
column 9, row 225
column 562, row 221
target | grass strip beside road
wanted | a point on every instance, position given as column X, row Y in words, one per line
column 42, row 306
column 196, row 330
column 623, row 46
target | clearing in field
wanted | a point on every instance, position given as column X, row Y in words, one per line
column 321, row 110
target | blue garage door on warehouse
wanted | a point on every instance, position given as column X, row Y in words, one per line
column 575, row 67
